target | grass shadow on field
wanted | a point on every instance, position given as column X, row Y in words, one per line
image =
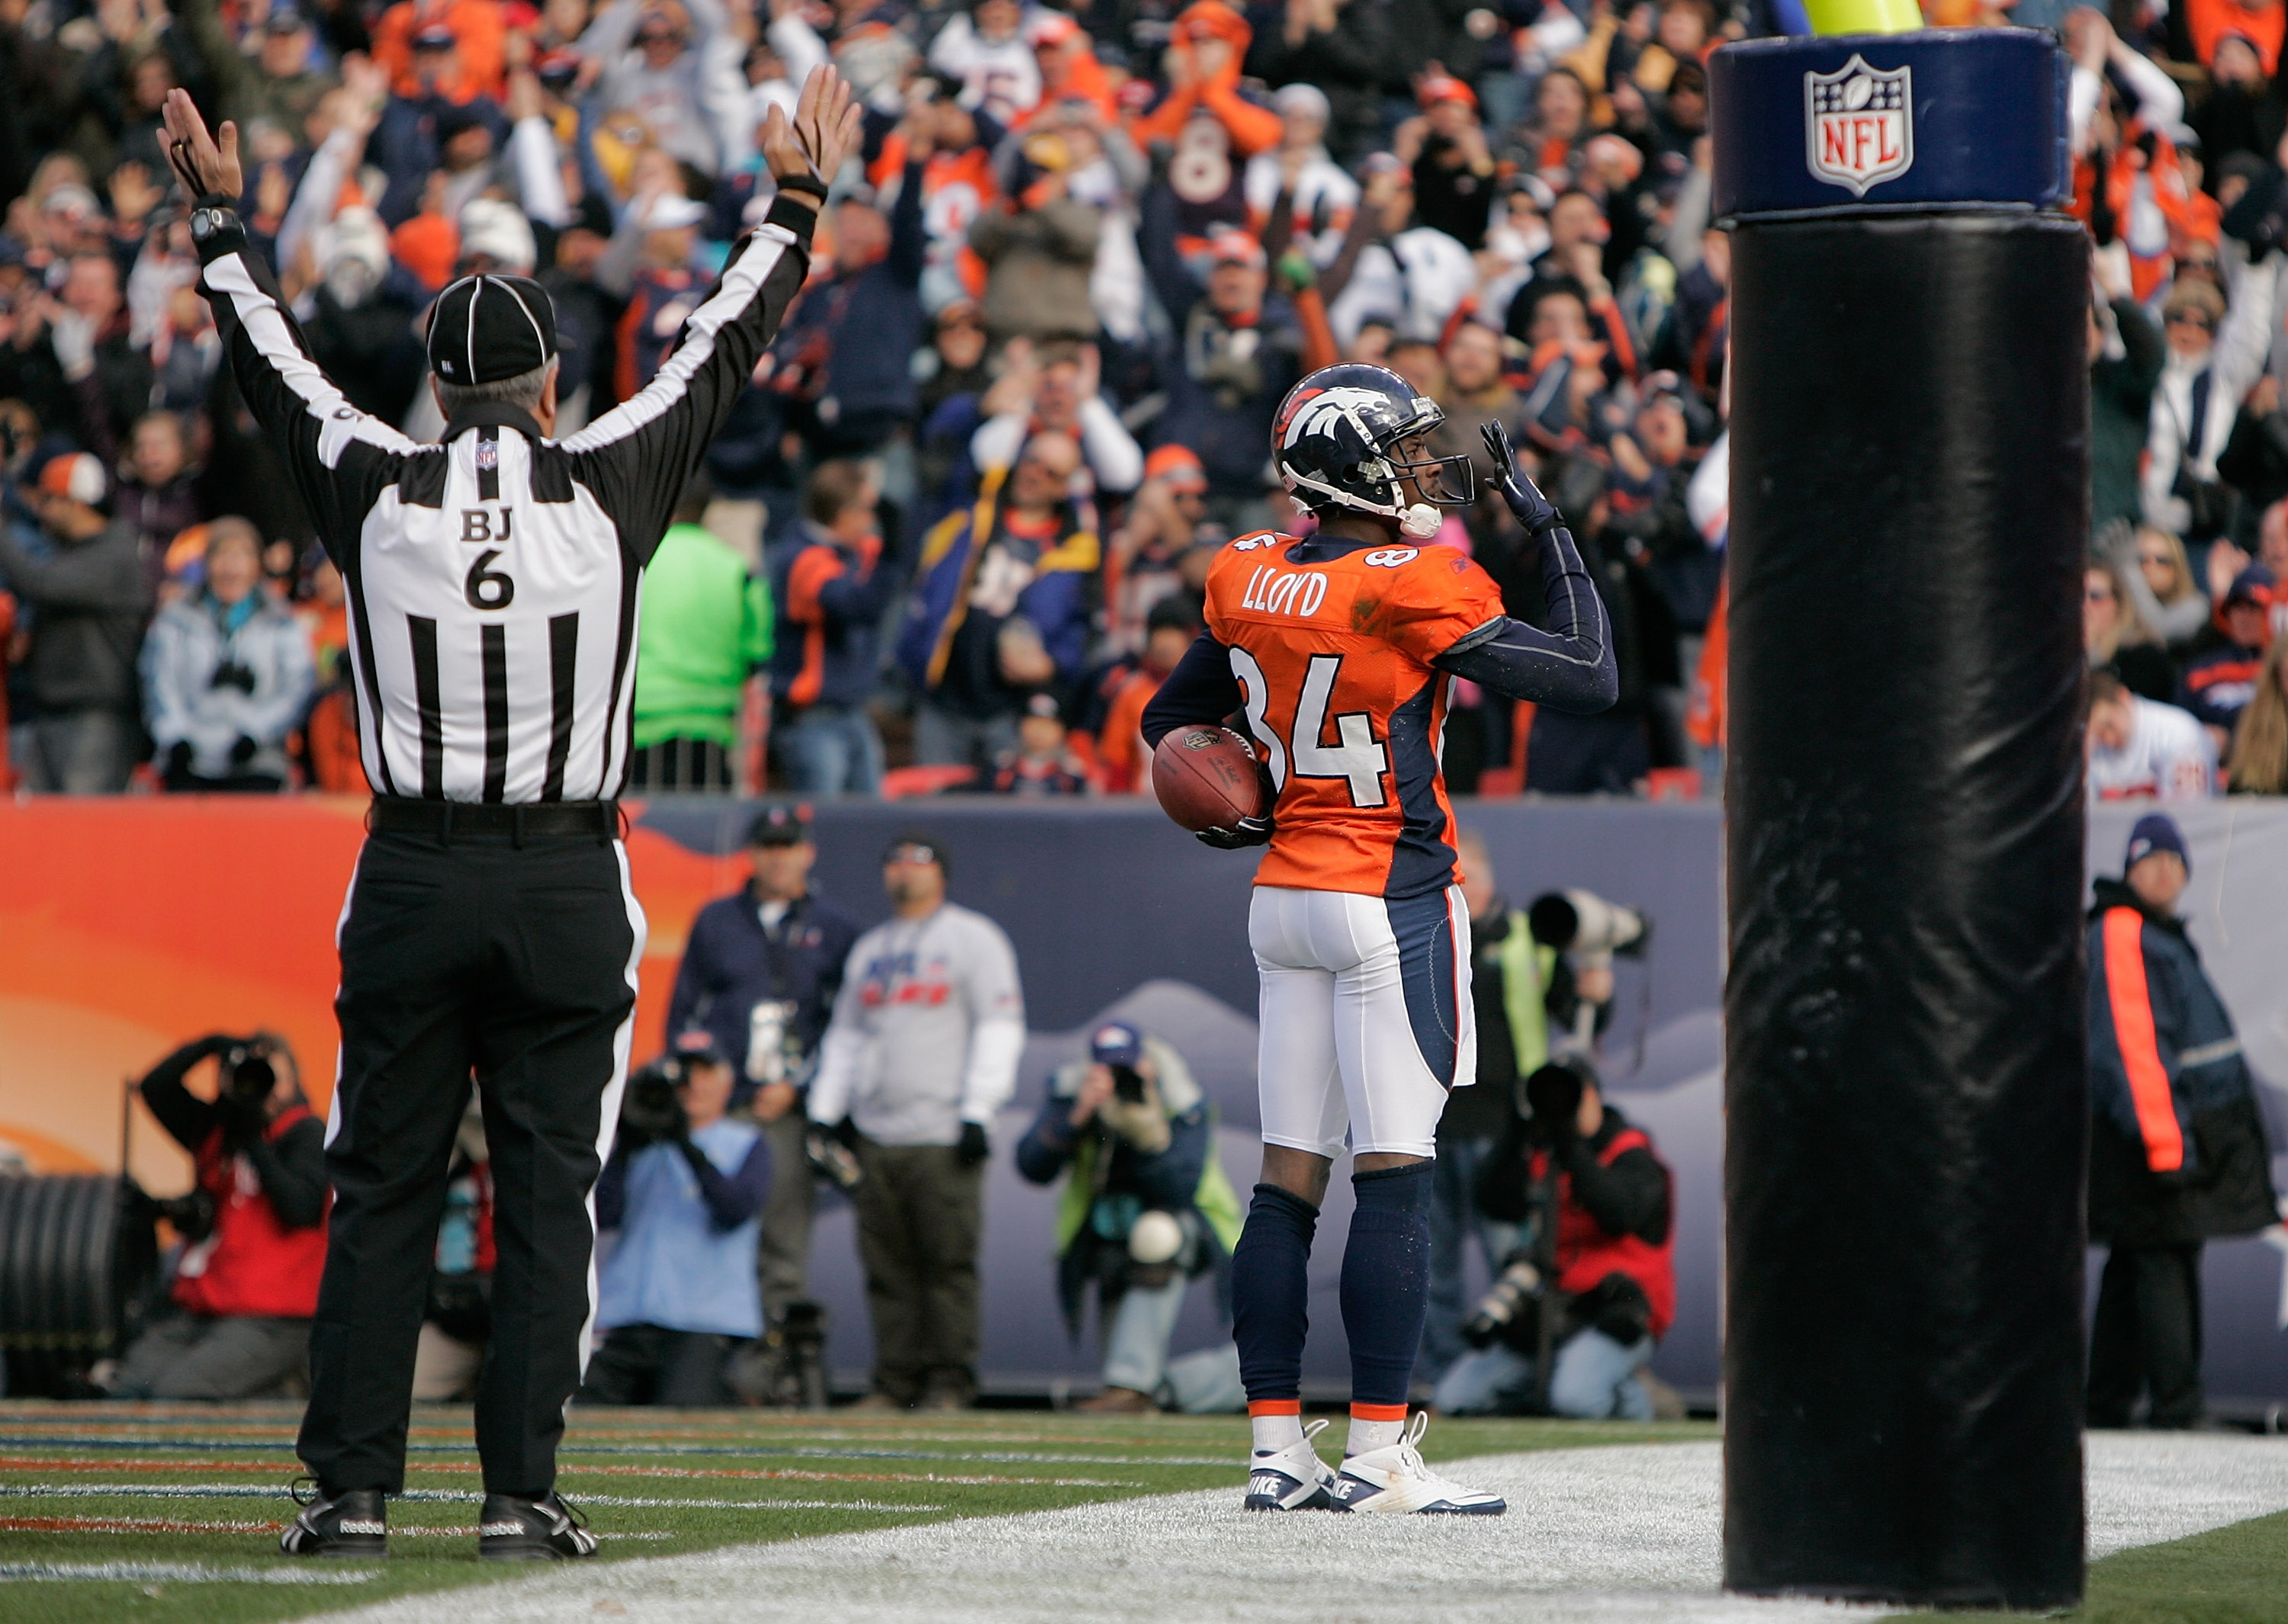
column 2232, row 1575
column 188, row 1500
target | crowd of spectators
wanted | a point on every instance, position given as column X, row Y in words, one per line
column 968, row 501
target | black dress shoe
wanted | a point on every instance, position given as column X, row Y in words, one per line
column 350, row 1524
column 514, row 1529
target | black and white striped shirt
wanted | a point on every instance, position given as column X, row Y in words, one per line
column 493, row 580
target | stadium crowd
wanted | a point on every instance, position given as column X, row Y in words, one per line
column 964, row 510
column 954, row 532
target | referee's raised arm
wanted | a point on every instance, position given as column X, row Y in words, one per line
column 340, row 457
column 490, row 929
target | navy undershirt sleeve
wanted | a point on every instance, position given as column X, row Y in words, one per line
column 1201, row 689
column 1569, row 667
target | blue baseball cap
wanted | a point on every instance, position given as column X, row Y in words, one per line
column 2156, row 832
column 1115, row 1043
column 697, row 1047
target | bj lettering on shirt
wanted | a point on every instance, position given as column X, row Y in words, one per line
column 1276, row 591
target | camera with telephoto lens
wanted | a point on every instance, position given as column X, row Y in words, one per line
column 247, row 1074
column 1128, row 1084
column 1586, row 925
column 1511, row 1304
column 650, row 1112
column 231, row 674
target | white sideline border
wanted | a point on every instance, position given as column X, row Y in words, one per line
column 1621, row 1535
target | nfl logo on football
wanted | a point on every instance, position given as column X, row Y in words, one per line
column 1859, row 125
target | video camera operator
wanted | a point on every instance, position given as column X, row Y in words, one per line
column 254, row 1226
column 760, row 970
column 685, row 1186
column 1594, row 1288
column 1147, row 1207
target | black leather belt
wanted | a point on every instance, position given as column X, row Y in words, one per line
column 524, row 820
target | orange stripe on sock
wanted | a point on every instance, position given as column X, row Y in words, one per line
column 1274, row 1406
column 1377, row 1411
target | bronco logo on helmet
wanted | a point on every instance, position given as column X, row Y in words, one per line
column 1339, row 440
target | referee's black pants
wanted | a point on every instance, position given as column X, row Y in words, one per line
column 517, row 962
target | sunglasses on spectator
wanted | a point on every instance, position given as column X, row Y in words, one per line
column 2189, row 318
column 659, row 36
column 2161, row 559
column 957, row 324
column 917, row 855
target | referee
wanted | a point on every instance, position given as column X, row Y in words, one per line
column 489, row 927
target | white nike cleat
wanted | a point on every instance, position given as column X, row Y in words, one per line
column 1291, row 1480
column 1395, row 1479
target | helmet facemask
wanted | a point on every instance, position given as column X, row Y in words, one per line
column 1347, row 441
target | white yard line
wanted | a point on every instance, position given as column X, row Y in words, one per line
column 1620, row 1535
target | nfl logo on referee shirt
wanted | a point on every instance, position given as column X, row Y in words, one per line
column 489, row 455
column 1859, row 125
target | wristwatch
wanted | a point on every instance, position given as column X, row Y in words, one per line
column 206, row 222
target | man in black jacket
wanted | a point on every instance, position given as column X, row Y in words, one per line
column 760, row 972
column 253, row 1226
column 1601, row 1261
column 2177, row 1153
column 91, row 599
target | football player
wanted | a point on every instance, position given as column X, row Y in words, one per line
column 1340, row 649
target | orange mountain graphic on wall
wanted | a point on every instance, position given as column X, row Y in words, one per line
column 131, row 925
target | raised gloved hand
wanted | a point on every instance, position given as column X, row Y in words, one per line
column 1256, row 831
column 975, row 1146
column 1533, row 509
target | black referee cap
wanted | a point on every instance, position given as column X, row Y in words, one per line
column 484, row 328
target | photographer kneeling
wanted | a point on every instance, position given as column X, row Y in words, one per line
column 685, row 1188
column 246, row 1283
column 1594, row 1288
column 1148, row 1206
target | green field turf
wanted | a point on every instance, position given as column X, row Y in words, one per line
column 188, row 1500
column 2233, row 1575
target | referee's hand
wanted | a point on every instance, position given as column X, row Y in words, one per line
column 825, row 129
column 202, row 167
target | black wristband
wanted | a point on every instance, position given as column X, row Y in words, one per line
column 809, row 184
column 799, row 219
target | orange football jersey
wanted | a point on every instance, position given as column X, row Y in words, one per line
column 1334, row 660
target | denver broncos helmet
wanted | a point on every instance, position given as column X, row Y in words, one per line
column 1337, row 444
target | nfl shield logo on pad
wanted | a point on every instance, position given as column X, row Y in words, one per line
column 1859, row 125
column 488, row 454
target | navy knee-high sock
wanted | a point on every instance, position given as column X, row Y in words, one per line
column 1386, row 1288
column 1270, row 1294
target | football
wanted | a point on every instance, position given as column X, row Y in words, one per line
column 1205, row 778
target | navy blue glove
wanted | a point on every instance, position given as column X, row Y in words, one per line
column 1533, row 509
column 1256, row 831
column 975, row 1146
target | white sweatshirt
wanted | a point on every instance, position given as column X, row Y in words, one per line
column 926, row 1031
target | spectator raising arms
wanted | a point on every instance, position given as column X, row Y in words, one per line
column 1002, row 607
